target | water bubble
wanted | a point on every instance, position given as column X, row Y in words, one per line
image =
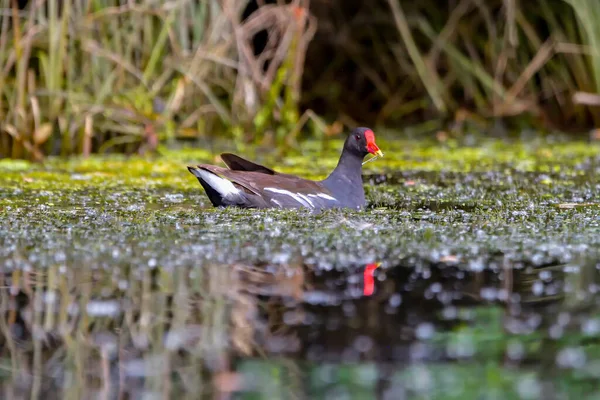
column 50, row 297
column 462, row 347
column 529, row 388
column 363, row 344
column 178, row 338
column 450, row 312
column 281, row 258
column 477, row 265
column 80, row 177
column 319, row 297
column 395, row 300
column 60, row 257
column 545, row 275
column 488, row 294
column 556, row 331
column 572, row 269
column 515, row 350
column 425, row 331
column 591, row 327
column 103, row 308
column 502, row 294
column 534, row 320
column 436, row 287
column 537, row 259
column 571, row 357
column 422, row 379
column 174, row 198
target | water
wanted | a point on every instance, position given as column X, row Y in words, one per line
column 472, row 274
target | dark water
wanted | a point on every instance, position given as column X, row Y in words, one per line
column 292, row 331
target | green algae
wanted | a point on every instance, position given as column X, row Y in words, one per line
column 469, row 201
column 569, row 159
column 497, row 222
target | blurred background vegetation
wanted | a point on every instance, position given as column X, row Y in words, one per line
column 93, row 76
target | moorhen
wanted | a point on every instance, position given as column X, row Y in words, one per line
column 249, row 185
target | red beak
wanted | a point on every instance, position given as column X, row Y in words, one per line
column 371, row 146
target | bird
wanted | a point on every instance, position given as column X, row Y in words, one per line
column 246, row 184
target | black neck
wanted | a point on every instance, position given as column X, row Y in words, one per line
column 347, row 173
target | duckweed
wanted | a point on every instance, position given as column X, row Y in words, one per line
column 483, row 255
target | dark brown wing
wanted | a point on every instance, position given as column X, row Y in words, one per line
column 237, row 163
column 256, row 182
column 278, row 190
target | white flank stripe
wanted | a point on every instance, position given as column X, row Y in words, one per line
column 294, row 196
column 307, row 199
column 277, row 202
column 224, row 187
column 323, row 196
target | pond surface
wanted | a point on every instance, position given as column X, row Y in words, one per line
column 473, row 273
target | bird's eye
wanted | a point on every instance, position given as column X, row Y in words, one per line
column 357, row 137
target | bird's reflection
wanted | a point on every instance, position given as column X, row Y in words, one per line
column 369, row 280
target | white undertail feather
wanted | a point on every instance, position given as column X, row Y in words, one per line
column 223, row 186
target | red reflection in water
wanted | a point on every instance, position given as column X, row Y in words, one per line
column 369, row 281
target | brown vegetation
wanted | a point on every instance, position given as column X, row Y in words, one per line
column 84, row 76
